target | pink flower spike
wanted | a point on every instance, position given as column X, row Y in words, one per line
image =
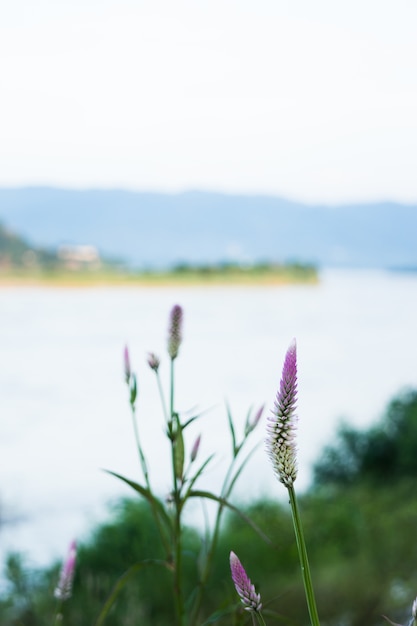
column 243, row 585
column 175, row 331
column 280, row 444
column 126, row 363
column 63, row 590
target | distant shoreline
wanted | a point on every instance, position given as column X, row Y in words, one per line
column 242, row 278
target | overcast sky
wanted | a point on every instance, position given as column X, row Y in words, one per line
column 310, row 99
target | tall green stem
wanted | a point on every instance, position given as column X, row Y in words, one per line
column 58, row 617
column 179, row 601
column 225, row 492
column 302, row 552
column 260, row 619
column 171, row 394
column 178, row 591
column 161, row 395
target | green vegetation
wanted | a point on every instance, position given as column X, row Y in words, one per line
column 145, row 566
column 380, row 456
column 192, row 276
column 360, row 533
column 17, row 255
column 233, row 273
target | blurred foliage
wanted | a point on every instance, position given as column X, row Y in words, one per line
column 380, row 455
column 16, row 252
column 360, row 536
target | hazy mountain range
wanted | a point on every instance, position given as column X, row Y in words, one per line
column 155, row 229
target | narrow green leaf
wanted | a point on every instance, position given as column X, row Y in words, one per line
column 197, row 474
column 148, row 495
column 122, row 582
column 240, row 469
column 190, row 421
column 211, row 496
column 247, row 422
column 218, row 615
column 196, row 417
column 232, row 428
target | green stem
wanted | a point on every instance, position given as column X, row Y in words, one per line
column 58, row 617
column 178, row 592
column 224, row 493
column 161, row 395
column 171, row 402
column 179, row 601
column 144, row 467
column 260, row 619
column 302, row 552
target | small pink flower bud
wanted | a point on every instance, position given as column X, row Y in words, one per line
column 195, row 448
column 126, row 362
column 251, row 425
column 153, row 361
column 246, row 591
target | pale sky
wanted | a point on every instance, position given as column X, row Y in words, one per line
column 313, row 100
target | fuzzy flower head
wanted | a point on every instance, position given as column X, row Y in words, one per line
column 175, row 331
column 246, row 591
column 63, row 589
column 280, row 444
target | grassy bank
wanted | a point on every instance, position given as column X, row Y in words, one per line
column 182, row 276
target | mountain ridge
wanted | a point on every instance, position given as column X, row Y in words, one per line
column 152, row 229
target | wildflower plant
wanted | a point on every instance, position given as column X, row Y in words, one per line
column 187, row 468
column 282, row 451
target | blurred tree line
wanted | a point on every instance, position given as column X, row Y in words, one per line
column 360, row 521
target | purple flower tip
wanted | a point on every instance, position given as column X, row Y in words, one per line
column 252, row 424
column 64, row 588
column 195, row 448
column 281, row 427
column 126, row 363
column 246, row 591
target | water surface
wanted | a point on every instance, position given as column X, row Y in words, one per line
column 64, row 409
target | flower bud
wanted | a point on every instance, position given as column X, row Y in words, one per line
column 126, row 363
column 194, row 450
column 153, row 361
column 246, row 591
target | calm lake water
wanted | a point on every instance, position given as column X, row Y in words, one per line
column 64, row 409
